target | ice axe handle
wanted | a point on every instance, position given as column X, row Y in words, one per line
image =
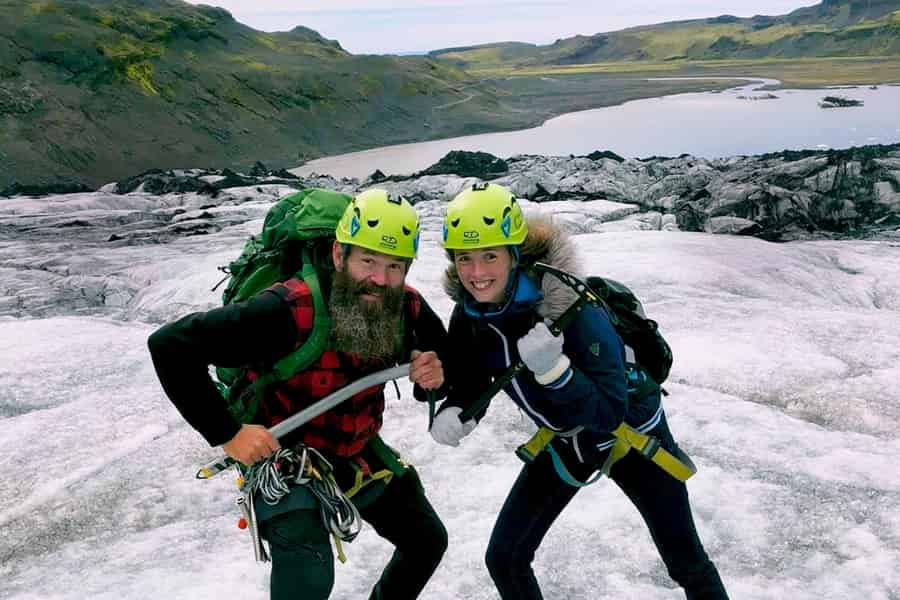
column 313, row 411
column 484, row 399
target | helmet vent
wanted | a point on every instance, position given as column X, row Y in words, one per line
column 406, row 230
column 489, row 220
column 455, row 222
column 372, row 222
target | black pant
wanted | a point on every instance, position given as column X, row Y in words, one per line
column 302, row 558
column 539, row 496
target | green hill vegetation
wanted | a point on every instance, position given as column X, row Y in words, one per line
column 94, row 90
column 834, row 28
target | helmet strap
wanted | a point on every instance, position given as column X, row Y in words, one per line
column 514, row 252
column 345, row 252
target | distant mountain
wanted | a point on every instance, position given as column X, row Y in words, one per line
column 95, row 90
column 832, row 28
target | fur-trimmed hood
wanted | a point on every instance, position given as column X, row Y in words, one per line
column 545, row 243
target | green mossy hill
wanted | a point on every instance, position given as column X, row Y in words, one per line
column 95, row 90
column 834, row 28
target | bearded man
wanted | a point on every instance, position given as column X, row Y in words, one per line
column 377, row 321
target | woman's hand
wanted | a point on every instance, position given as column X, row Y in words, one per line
column 447, row 429
column 542, row 353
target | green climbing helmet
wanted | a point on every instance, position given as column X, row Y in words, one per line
column 381, row 222
column 483, row 216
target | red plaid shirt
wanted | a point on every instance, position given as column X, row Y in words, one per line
column 347, row 428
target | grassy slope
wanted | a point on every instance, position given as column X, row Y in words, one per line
column 833, row 29
column 96, row 90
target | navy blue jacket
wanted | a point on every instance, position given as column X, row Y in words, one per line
column 583, row 406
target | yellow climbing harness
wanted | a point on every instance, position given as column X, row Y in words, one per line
column 363, row 478
column 680, row 467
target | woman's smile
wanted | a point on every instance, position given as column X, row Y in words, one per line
column 485, row 272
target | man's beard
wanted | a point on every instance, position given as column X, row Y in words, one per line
column 368, row 329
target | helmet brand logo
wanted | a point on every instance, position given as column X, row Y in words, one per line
column 470, row 237
column 389, row 241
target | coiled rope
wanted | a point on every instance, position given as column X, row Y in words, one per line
column 274, row 477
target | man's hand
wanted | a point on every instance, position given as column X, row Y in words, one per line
column 425, row 369
column 448, row 429
column 251, row 444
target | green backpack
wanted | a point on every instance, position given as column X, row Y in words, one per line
column 296, row 238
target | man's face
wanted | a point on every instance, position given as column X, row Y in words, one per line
column 372, row 271
column 366, row 303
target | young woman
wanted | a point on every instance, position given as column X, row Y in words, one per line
column 576, row 385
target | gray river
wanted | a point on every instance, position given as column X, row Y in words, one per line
column 741, row 120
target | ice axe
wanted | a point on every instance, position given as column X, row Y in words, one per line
column 311, row 412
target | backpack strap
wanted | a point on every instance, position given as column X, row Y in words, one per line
column 307, row 353
column 314, row 345
column 640, row 384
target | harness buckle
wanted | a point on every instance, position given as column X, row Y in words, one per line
column 650, row 448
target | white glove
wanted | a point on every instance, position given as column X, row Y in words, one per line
column 448, row 429
column 542, row 353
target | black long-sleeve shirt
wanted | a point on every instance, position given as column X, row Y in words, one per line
column 254, row 333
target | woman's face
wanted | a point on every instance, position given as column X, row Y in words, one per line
column 484, row 272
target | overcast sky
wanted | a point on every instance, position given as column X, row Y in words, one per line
column 386, row 26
